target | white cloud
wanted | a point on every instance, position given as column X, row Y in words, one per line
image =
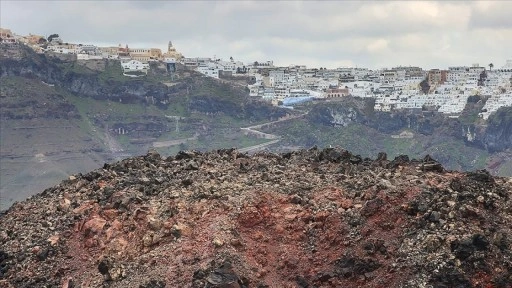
column 379, row 45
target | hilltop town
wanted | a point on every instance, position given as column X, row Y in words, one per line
column 442, row 90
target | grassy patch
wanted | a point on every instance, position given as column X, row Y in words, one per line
column 124, row 140
column 402, row 146
column 75, row 67
column 367, row 142
column 113, row 72
column 505, row 169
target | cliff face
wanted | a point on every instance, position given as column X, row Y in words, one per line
column 110, row 85
column 494, row 136
column 309, row 218
column 87, row 84
column 211, row 104
column 60, row 117
column 350, row 111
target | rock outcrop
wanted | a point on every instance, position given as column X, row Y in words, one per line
column 497, row 134
column 203, row 94
column 309, row 218
column 494, row 135
column 79, row 80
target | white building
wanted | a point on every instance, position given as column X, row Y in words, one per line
column 134, row 65
column 210, row 71
column 214, row 68
column 226, row 66
column 268, row 93
column 282, row 91
column 276, row 77
column 495, row 102
column 455, row 104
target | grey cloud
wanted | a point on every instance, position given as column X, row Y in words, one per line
column 494, row 15
column 363, row 32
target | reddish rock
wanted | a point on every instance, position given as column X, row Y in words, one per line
column 94, row 225
column 284, row 220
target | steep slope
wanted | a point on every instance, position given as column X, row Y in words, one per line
column 43, row 139
column 467, row 143
column 61, row 116
column 498, row 133
column 310, row 218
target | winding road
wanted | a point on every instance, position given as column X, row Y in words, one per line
column 274, row 138
column 251, row 130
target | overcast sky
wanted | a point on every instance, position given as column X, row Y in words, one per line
column 433, row 34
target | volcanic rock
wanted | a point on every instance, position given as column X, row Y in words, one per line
column 307, row 218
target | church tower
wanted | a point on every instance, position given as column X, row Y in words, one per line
column 170, row 49
column 172, row 53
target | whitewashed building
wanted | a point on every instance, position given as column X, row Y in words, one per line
column 495, row 102
column 276, row 77
column 134, row 65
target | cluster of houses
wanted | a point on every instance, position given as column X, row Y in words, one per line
column 131, row 59
column 445, row 91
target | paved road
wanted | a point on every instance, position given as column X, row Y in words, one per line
column 258, row 147
column 168, row 143
column 276, row 138
column 272, row 122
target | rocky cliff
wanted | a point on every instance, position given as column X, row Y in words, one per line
column 495, row 135
column 80, row 80
column 105, row 82
column 61, row 116
column 309, row 218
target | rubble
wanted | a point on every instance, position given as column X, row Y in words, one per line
column 308, row 218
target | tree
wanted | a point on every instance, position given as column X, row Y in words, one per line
column 482, row 78
column 256, row 63
column 491, row 66
column 425, row 87
column 51, row 37
column 41, row 41
column 231, row 58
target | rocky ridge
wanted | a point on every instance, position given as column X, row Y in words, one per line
column 309, row 218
